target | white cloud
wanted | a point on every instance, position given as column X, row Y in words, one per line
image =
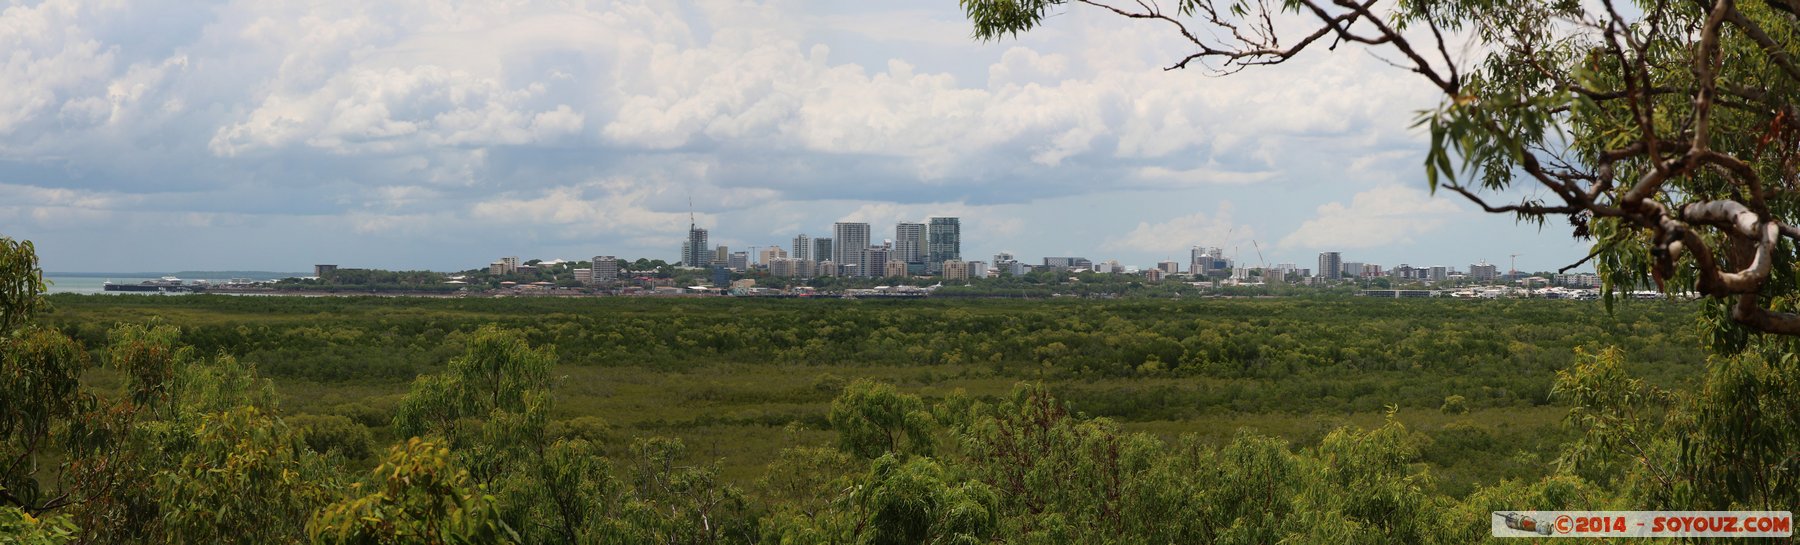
column 1383, row 216
column 34, row 196
column 599, row 206
column 503, row 121
column 401, row 225
column 990, row 221
column 1196, row 229
column 1201, row 176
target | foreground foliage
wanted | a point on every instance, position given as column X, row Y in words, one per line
column 182, row 447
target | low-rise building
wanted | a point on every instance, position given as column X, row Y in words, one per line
column 956, row 269
column 787, row 267
column 770, row 254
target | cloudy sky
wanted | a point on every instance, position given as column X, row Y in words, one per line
column 149, row 135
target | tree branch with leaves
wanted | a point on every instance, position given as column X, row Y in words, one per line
column 1666, row 132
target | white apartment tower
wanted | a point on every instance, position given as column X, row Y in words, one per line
column 1331, row 265
column 802, row 247
column 850, row 245
column 909, row 242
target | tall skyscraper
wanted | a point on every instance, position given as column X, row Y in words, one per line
column 697, row 253
column 851, row 245
column 909, row 242
column 822, row 249
column 722, row 255
column 802, row 247
column 1331, row 265
column 944, row 244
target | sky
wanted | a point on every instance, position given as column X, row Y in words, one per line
column 150, row 135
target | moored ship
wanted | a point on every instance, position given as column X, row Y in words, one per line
column 166, row 284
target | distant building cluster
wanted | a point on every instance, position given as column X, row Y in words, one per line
column 934, row 247
column 917, row 249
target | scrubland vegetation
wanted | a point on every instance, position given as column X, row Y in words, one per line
column 1330, row 420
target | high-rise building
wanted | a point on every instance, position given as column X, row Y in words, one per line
column 722, row 255
column 323, row 271
column 696, row 253
column 850, row 244
column 1063, row 262
column 1168, row 267
column 1331, row 265
column 822, row 248
column 1484, row 272
column 802, row 247
column 1204, row 260
column 874, row 262
column 605, row 268
column 943, row 243
column 737, row 261
column 909, row 242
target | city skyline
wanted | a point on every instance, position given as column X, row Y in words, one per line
column 209, row 141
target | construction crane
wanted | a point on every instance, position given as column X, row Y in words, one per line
column 1515, row 265
column 1263, row 260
